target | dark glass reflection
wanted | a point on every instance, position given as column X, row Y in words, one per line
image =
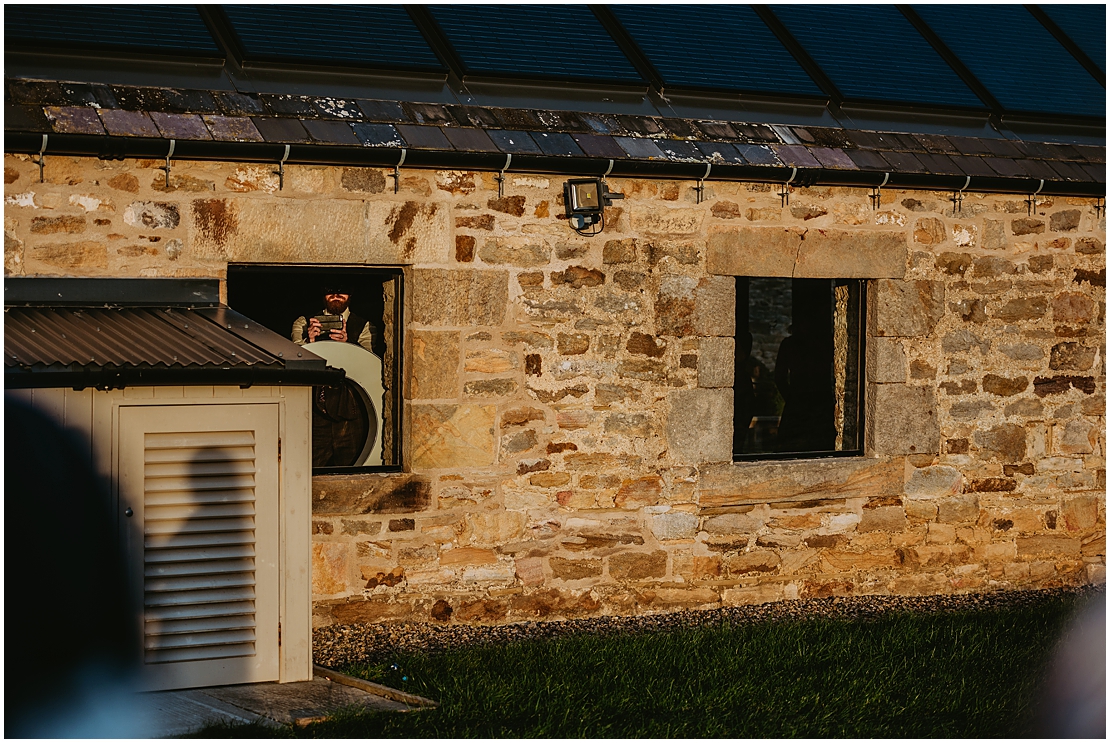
column 798, row 345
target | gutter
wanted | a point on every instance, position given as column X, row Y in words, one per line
column 118, row 148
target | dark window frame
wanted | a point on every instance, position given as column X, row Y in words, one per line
column 861, row 393
column 314, row 273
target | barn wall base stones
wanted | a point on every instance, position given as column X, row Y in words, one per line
column 568, row 401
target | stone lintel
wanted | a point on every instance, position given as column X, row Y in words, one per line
column 807, row 253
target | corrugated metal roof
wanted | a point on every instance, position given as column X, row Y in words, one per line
column 117, row 346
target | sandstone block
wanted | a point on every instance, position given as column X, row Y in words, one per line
column 1048, row 545
column 638, row 565
column 886, row 361
column 699, row 425
column 754, row 251
column 758, row 561
column 646, row 345
column 572, row 344
column 776, row 251
column 1077, row 437
column 1071, row 356
column 884, row 518
column 629, row 424
column 716, row 362
column 1072, row 307
column 715, row 307
column 578, row 277
column 958, row 509
column 330, row 566
column 761, row 594
column 499, row 251
column 929, row 231
column 1004, row 386
column 1065, row 221
column 1027, row 226
column 565, row 569
column 619, row 251
column 1081, row 513
column 529, row 570
column 461, row 298
column 489, row 361
column 1006, row 442
column 154, row 215
column 489, row 388
column 363, row 494
column 663, row 222
column 643, row 491
column 1022, row 309
column 453, row 436
column 925, row 510
column 674, row 525
column 80, row 255
column 904, row 420
column 934, row 482
column 435, row 364
column 733, row 523
column 906, row 308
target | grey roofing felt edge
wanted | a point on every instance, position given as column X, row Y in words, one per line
column 107, row 147
column 16, row 377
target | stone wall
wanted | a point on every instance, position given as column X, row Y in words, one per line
column 568, row 400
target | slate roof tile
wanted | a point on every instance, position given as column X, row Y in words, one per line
column 641, row 149
column 717, row 129
column 680, row 150
column 556, row 143
column 644, row 126
column 290, row 105
column 830, row 157
column 936, row 143
column 377, row 135
column 232, row 128
column 971, row 165
column 83, row 94
column 1096, row 171
column 189, row 102
column 938, row 164
column 1039, row 150
column 827, row 137
column 1006, row 166
column 424, row 137
column 681, row 128
column 1091, row 153
column 600, row 124
column 331, row 132
column 36, row 92
column 905, row 142
column 969, row 145
column 801, row 134
column 516, row 118
column 429, row 113
column 280, row 130
column 720, row 152
column 139, row 99
column 470, row 139
column 758, row 154
column 232, row 103
column 386, row 111
column 755, row 132
column 1071, row 171
column 74, row 120
column 338, row 108
column 1001, row 147
column 597, row 145
column 128, row 123
column 513, row 142
column 1040, row 169
column 26, row 119
column 180, row 126
column 796, row 155
column 868, row 160
column 1064, row 151
column 903, row 162
column 562, row 121
column 473, row 116
column 870, row 140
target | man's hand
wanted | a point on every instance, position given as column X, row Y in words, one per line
column 314, row 329
column 339, row 335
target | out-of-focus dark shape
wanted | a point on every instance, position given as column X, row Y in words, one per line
column 70, row 632
column 1073, row 699
column 803, row 373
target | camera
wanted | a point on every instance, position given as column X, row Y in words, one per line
column 329, row 323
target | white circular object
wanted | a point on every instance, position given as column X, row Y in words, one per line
column 364, row 369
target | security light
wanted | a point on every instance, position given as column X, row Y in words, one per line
column 585, row 200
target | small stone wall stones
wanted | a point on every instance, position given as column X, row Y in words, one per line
column 568, row 401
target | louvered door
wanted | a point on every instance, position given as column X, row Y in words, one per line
column 201, row 483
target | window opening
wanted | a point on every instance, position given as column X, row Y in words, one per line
column 799, row 362
column 351, row 316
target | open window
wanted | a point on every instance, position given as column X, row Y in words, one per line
column 799, row 367
column 356, row 427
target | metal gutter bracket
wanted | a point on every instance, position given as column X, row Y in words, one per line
column 1031, row 202
column 877, row 192
column 41, row 162
column 700, row 188
column 784, row 188
column 280, row 172
column 1099, row 206
column 500, row 177
column 396, row 174
column 166, row 167
column 958, row 197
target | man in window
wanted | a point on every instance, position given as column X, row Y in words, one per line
column 340, row 421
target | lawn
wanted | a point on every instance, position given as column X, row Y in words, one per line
column 956, row 674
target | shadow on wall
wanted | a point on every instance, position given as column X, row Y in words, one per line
column 70, row 632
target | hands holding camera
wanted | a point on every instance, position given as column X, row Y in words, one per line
column 315, row 329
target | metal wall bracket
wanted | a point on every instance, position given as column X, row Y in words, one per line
column 958, row 197
column 166, row 167
column 396, row 174
column 1031, row 202
column 280, row 172
column 41, row 161
column 700, row 188
column 1099, row 206
column 784, row 188
column 877, row 192
column 501, row 176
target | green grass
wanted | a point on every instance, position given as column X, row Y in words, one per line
column 907, row 675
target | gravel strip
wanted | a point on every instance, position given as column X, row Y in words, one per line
column 338, row 645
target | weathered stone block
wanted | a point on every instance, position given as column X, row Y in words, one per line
column 638, row 565
column 565, row 569
column 435, row 364
column 904, row 420
column 716, row 362
column 934, row 482
column 958, row 509
column 1065, row 221
column 715, row 307
column 1072, row 307
column 1006, row 442
column 884, row 518
column 733, row 523
column 1048, row 545
column 906, row 308
column 1004, row 386
column 886, row 361
column 453, row 436
column 360, row 494
column 761, row 594
column 1076, row 437
column 457, row 297
column 699, row 425
column 499, row 251
column 808, row 482
column 754, row 251
column 80, row 255
column 1071, row 356
column 776, row 251
column 330, row 568
column 674, row 525
column 1081, row 513
column 619, row 251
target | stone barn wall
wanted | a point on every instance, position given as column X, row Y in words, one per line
column 568, row 402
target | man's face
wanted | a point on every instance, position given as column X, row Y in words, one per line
column 336, row 303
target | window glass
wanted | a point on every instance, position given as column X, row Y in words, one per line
column 799, row 346
column 352, row 318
